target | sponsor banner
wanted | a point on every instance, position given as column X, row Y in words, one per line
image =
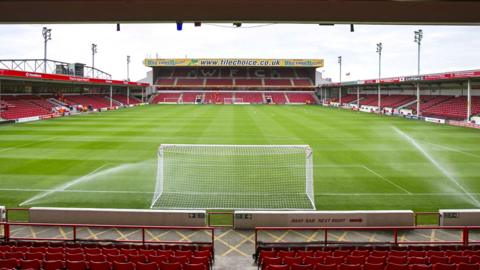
column 459, row 217
column 434, row 120
column 252, row 219
column 463, row 124
column 64, row 78
column 28, row 119
column 232, row 62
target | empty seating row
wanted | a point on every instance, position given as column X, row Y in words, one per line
column 302, row 82
column 373, row 259
column 124, row 100
column 276, row 265
column 96, row 101
column 14, row 107
column 90, row 265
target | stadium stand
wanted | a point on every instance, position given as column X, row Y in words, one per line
column 277, row 98
column 166, row 97
column 216, row 97
column 429, row 101
column 123, row 99
column 369, row 258
column 454, row 108
column 190, row 97
column 301, row 98
column 77, row 256
column 346, row 99
column 15, row 107
column 255, row 98
column 97, row 101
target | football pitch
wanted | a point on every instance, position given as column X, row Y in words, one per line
column 361, row 161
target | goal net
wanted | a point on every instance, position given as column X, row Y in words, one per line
column 232, row 100
column 234, row 177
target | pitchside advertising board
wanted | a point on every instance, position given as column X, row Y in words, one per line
column 233, row 62
column 3, row 214
column 118, row 216
column 460, row 217
column 252, row 219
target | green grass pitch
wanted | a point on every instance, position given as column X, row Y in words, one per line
column 109, row 159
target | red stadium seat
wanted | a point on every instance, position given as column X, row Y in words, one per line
column 9, row 263
column 334, row 260
column 376, row 260
column 110, row 251
column 278, row 267
column 116, row 258
column 313, row 260
column 146, row 266
column 467, row 266
column 170, row 266
column 417, row 260
column 444, row 266
column 373, row 266
column 291, row 260
column 203, row 260
column 55, row 250
column 379, row 253
column 270, row 260
column 395, row 266
column 67, row 250
column 123, row 266
column 397, row 260
column 92, row 251
column 37, row 250
column 167, row 253
column 96, row 258
column 180, row 259
column 438, row 259
column 137, row 258
column 54, row 257
column 53, row 265
column 34, row 256
column 196, row 266
column 415, row 253
column 30, row 264
column 355, row 260
column 186, row 253
column 75, row 257
column 14, row 255
column 148, row 252
column 297, row 266
column 363, row 253
column 474, row 259
column 99, row 266
column 325, row 267
column 459, row 259
column 73, row 265
column 344, row 266
column 420, row 267
column 158, row 259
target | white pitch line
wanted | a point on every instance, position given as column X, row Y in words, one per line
column 387, row 180
column 62, row 187
column 453, row 149
column 317, row 194
column 27, row 144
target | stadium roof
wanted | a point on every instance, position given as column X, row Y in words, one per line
column 447, row 76
column 309, row 11
column 232, row 62
column 35, row 76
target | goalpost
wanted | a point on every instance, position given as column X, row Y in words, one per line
column 234, row 177
column 232, row 100
column 172, row 100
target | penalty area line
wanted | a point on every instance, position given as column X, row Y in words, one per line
column 387, row 180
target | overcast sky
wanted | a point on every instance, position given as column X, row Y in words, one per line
column 444, row 48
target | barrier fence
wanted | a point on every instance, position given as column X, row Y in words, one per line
column 460, row 235
column 184, row 235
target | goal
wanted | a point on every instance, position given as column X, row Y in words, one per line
column 233, row 100
column 234, row 177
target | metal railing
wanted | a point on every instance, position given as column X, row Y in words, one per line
column 395, row 239
column 74, row 231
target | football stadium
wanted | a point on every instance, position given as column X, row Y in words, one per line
column 238, row 163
